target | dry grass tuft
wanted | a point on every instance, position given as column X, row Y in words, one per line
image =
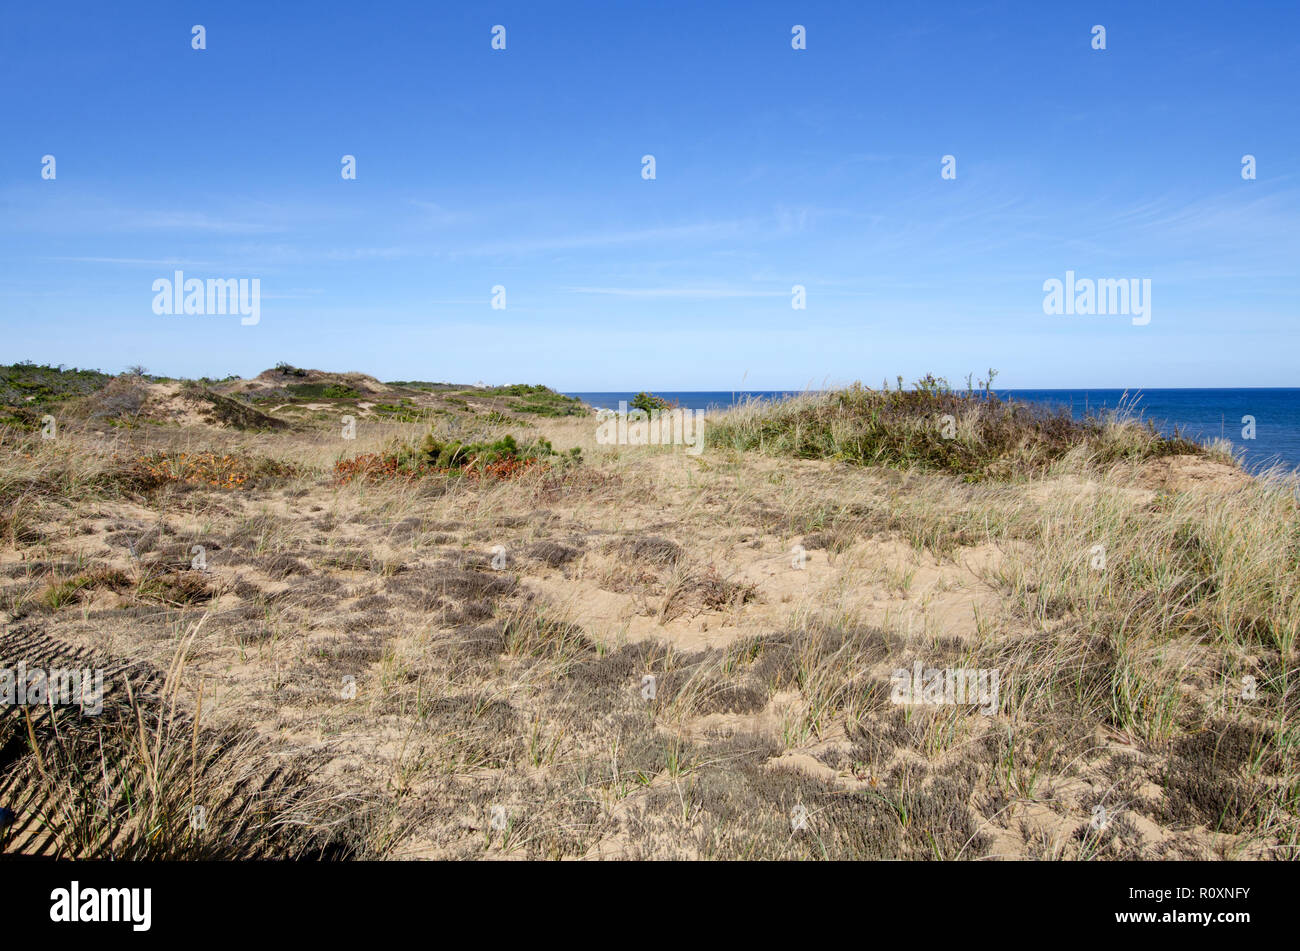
column 646, row 654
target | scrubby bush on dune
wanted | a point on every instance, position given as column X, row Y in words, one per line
column 121, row 400
column 535, row 399
column 323, row 390
column 648, row 402
column 974, row 434
column 455, row 455
column 29, row 384
column 502, row 459
column 225, row 470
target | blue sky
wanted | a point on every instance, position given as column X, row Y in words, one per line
column 775, row 167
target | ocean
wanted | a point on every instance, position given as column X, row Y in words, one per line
column 1197, row 414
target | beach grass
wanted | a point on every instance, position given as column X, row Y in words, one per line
column 635, row 652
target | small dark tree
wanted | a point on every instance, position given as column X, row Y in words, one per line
column 648, row 402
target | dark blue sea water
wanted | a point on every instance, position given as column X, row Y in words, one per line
column 1197, row 414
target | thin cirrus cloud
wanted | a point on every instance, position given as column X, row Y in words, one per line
column 685, row 293
column 191, row 221
column 79, row 214
column 138, row 262
column 707, row 230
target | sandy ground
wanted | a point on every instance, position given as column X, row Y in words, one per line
column 730, row 580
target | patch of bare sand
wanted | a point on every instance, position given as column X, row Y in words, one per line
column 165, row 401
column 886, row 583
column 1181, row 473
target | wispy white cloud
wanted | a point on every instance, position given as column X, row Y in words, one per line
column 189, row 221
column 431, row 212
column 699, row 231
column 689, row 293
column 137, row 262
column 293, row 294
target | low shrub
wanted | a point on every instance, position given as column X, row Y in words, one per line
column 974, row 434
column 227, row 471
column 503, row 459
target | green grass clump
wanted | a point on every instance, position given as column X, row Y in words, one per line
column 327, row 391
column 403, row 412
column 454, row 455
column 973, row 434
column 425, row 385
column 535, row 399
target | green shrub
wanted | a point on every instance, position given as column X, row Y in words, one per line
column 455, row 455
column 648, row 402
column 327, row 391
column 974, row 434
column 535, row 399
column 29, row 384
